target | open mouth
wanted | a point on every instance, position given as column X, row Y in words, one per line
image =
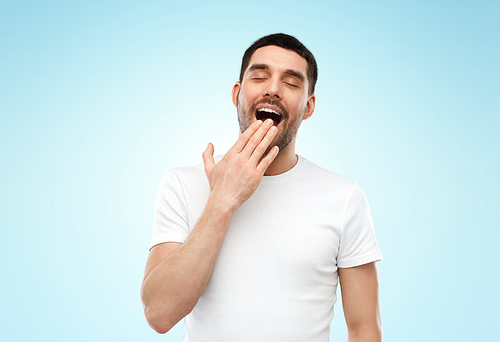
column 268, row 113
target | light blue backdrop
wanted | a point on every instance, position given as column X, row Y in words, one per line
column 98, row 99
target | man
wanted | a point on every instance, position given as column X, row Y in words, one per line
column 251, row 248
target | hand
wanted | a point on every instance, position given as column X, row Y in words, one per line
column 236, row 176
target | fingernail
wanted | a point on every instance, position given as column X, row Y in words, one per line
column 269, row 122
column 273, row 129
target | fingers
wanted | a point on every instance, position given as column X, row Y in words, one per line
column 259, row 141
column 267, row 160
column 245, row 137
column 263, row 144
column 208, row 159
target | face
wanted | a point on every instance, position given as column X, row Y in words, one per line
column 275, row 85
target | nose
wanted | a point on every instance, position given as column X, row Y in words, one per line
column 273, row 89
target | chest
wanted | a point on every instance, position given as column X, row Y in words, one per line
column 284, row 236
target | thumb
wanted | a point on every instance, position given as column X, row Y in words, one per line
column 208, row 159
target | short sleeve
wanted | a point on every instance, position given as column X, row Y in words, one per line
column 358, row 245
column 170, row 222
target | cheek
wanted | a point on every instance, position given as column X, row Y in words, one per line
column 302, row 106
column 242, row 98
column 250, row 92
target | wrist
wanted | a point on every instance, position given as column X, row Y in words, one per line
column 215, row 219
column 221, row 205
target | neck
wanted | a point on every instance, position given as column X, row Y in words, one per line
column 284, row 161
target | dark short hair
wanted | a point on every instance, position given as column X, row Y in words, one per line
column 288, row 42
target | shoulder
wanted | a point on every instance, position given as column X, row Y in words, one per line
column 182, row 178
column 185, row 173
column 326, row 178
column 192, row 173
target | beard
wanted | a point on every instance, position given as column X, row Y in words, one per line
column 288, row 127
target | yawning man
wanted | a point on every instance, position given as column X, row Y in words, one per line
column 251, row 246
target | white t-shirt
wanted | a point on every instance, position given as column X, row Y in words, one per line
column 276, row 275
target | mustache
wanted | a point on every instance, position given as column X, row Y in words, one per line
column 272, row 102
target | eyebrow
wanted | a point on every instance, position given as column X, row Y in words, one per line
column 290, row 72
column 258, row 67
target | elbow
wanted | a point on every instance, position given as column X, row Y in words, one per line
column 156, row 318
column 157, row 321
column 365, row 332
column 161, row 314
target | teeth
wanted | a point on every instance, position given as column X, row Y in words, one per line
column 269, row 110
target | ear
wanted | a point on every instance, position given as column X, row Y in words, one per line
column 235, row 92
column 311, row 103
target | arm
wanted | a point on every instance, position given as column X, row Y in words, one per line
column 360, row 299
column 176, row 274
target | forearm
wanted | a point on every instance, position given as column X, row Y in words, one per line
column 171, row 290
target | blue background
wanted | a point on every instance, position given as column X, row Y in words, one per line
column 98, row 99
